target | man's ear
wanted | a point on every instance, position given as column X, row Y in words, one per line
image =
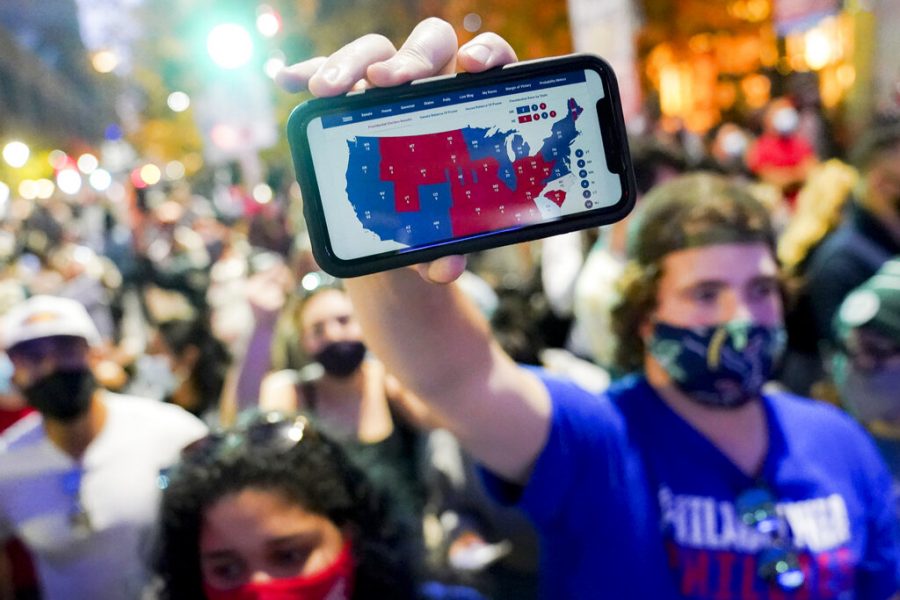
column 109, row 374
column 189, row 357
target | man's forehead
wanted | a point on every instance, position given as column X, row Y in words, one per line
column 751, row 258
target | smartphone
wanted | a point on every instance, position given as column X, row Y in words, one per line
column 455, row 164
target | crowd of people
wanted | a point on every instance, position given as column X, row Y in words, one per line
column 696, row 402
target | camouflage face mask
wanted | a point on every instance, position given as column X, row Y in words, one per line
column 724, row 365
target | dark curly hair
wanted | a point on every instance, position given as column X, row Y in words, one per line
column 316, row 474
column 208, row 373
column 695, row 210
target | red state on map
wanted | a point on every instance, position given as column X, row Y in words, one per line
column 481, row 200
column 557, row 197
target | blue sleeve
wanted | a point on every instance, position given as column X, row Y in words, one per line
column 879, row 570
column 578, row 458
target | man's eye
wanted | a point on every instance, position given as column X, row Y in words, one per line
column 764, row 289
column 705, row 294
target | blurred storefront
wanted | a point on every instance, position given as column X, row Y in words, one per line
column 49, row 97
column 701, row 62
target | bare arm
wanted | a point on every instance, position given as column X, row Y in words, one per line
column 430, row 336
column 436, row 342
column 266, row 292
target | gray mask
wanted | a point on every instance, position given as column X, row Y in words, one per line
column 869, row 396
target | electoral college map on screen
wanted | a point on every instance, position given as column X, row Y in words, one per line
column 430, row 169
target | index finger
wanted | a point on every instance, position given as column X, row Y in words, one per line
column 338, row 73
column 429, row 50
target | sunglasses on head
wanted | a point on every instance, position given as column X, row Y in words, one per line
column 272, row 431
column 777, row 562
column 316, row 281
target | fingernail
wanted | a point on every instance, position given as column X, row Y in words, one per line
column 332, row 75
column 479, row 52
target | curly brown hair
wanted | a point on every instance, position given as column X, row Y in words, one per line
column 699, row 209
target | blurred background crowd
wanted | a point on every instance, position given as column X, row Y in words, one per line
column 144, row 175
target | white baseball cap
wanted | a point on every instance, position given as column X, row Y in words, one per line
column 48, row 316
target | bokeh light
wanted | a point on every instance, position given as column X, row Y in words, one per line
column 472, row 22
column 16, row 154
column 28, row 189
column 117, row 192
column 178, row 101
column 274, row 64
column 87, row 163
column 100, row 180
column 150, row 174
column 44, row 188
column 262, row 193
column 136, row 180
column 174, row 170
column 4, row 198
column 268, row 22
column 229, row 45
column 313, row 280
column 818, row 49
column 68, row 181
column 105, row 61
column 58, row 159
column 225, row 136
column 112, row 132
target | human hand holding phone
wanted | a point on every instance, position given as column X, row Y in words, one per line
column 373, row 61
column 500, row 414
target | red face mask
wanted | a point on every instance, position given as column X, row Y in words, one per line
column 335, row 582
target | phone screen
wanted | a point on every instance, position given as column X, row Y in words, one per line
column 462, row 164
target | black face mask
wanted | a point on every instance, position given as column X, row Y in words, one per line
column 341, row 359
column 63, row 395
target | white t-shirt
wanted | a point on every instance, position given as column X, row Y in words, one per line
column 118, row 490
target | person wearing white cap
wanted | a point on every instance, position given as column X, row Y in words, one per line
column 78, row 478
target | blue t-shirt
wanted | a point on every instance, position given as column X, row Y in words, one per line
column 633, row 503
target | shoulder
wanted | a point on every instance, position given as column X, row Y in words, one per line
column 834, row 244
column 25, row 452
column 837, row 258
column 578, row 411
column 154, row 416
column 562, row 388
column 817, row 427
column 24, row 432
column 792, row 409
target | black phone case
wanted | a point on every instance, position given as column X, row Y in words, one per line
column 614, row 142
